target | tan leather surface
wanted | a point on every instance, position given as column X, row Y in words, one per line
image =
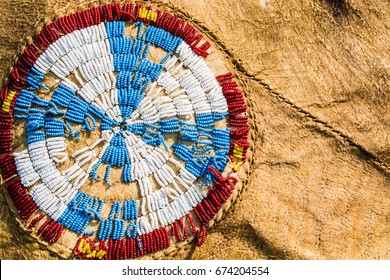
column 316, row 81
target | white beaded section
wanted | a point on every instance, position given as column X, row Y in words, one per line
column 194, row 91
column 48, row 202
column 206, row 78
column 69, row 42
column 145, row 159
column 163, row 216
column 92, row 57
column 165, row 107
column 197, row 65
column 55, row 191
column 57, row 149
column 107, row 102
column 97, row 86
column 28, row 176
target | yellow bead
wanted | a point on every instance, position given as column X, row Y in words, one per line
column 100, row 254
column 8, row 100
column 92, row 255
column 81, row 245
column 87, row 249
column 236, row 165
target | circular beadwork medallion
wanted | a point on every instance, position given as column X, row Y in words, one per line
column 118, row 136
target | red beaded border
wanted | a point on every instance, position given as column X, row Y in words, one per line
column 238, row 122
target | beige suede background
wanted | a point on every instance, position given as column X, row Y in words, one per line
column 315, row 74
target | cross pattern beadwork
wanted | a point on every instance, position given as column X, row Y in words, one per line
column 130, row 90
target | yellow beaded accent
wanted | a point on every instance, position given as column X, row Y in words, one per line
column 148, row 14
column 238, row 154
column 81, row 245
column 100, row 254
column 8, row 100
column 90, row 253
column 86, row 249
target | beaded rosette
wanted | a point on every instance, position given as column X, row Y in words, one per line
column 128, row 141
